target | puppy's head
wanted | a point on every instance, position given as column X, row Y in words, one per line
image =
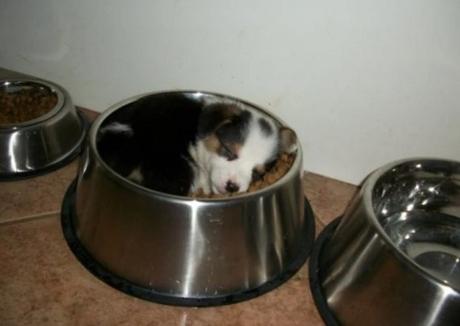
column 239, row 145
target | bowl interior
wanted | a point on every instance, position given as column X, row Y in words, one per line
column 121, row 110
column 417, row 203
column 25, row 102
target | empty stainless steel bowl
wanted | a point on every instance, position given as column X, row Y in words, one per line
column 179, row 250
column 394, row 258
column 46, row 139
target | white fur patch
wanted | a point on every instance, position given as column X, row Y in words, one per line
column 136, row 175
column 118, row 127
column 201, row 157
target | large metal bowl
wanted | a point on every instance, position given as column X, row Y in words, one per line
column 179, row 250
column 394, row 258
column 42, row 143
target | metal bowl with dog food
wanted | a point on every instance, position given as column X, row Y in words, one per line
column 40, row 129
column 394, row 257
column 164, row 208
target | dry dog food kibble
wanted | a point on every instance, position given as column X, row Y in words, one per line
column 25, row 104
column 282, row 165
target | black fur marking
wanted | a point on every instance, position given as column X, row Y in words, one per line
column 163, row 128
column 256, row 175
column 270, row 164
column 214, row 115
column 235, row 130
column 265, row 127
column 210, row 119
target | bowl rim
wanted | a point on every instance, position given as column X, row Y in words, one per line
column 58, row 91
column 187, row 199
column 367, row 193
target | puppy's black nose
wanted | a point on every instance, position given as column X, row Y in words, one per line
column 231, row 187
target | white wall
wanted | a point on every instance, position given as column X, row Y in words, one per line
column 362, row 82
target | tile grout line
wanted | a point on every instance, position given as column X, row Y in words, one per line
column 28, row 218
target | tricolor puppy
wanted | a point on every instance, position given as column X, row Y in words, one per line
column 177, row 145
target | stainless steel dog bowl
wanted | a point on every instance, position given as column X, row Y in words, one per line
column 184, row 251
column 42, row 143
column 394, row 258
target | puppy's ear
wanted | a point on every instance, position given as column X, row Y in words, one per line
column 288, row 140
column 215, row 115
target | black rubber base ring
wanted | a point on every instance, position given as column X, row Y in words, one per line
column 314, row 272
column 16, row 176
column 67, row 218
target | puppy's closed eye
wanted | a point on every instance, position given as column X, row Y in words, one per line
column 231, row 134
column 227, row 152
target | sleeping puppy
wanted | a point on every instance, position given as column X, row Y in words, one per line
column 178, row 145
